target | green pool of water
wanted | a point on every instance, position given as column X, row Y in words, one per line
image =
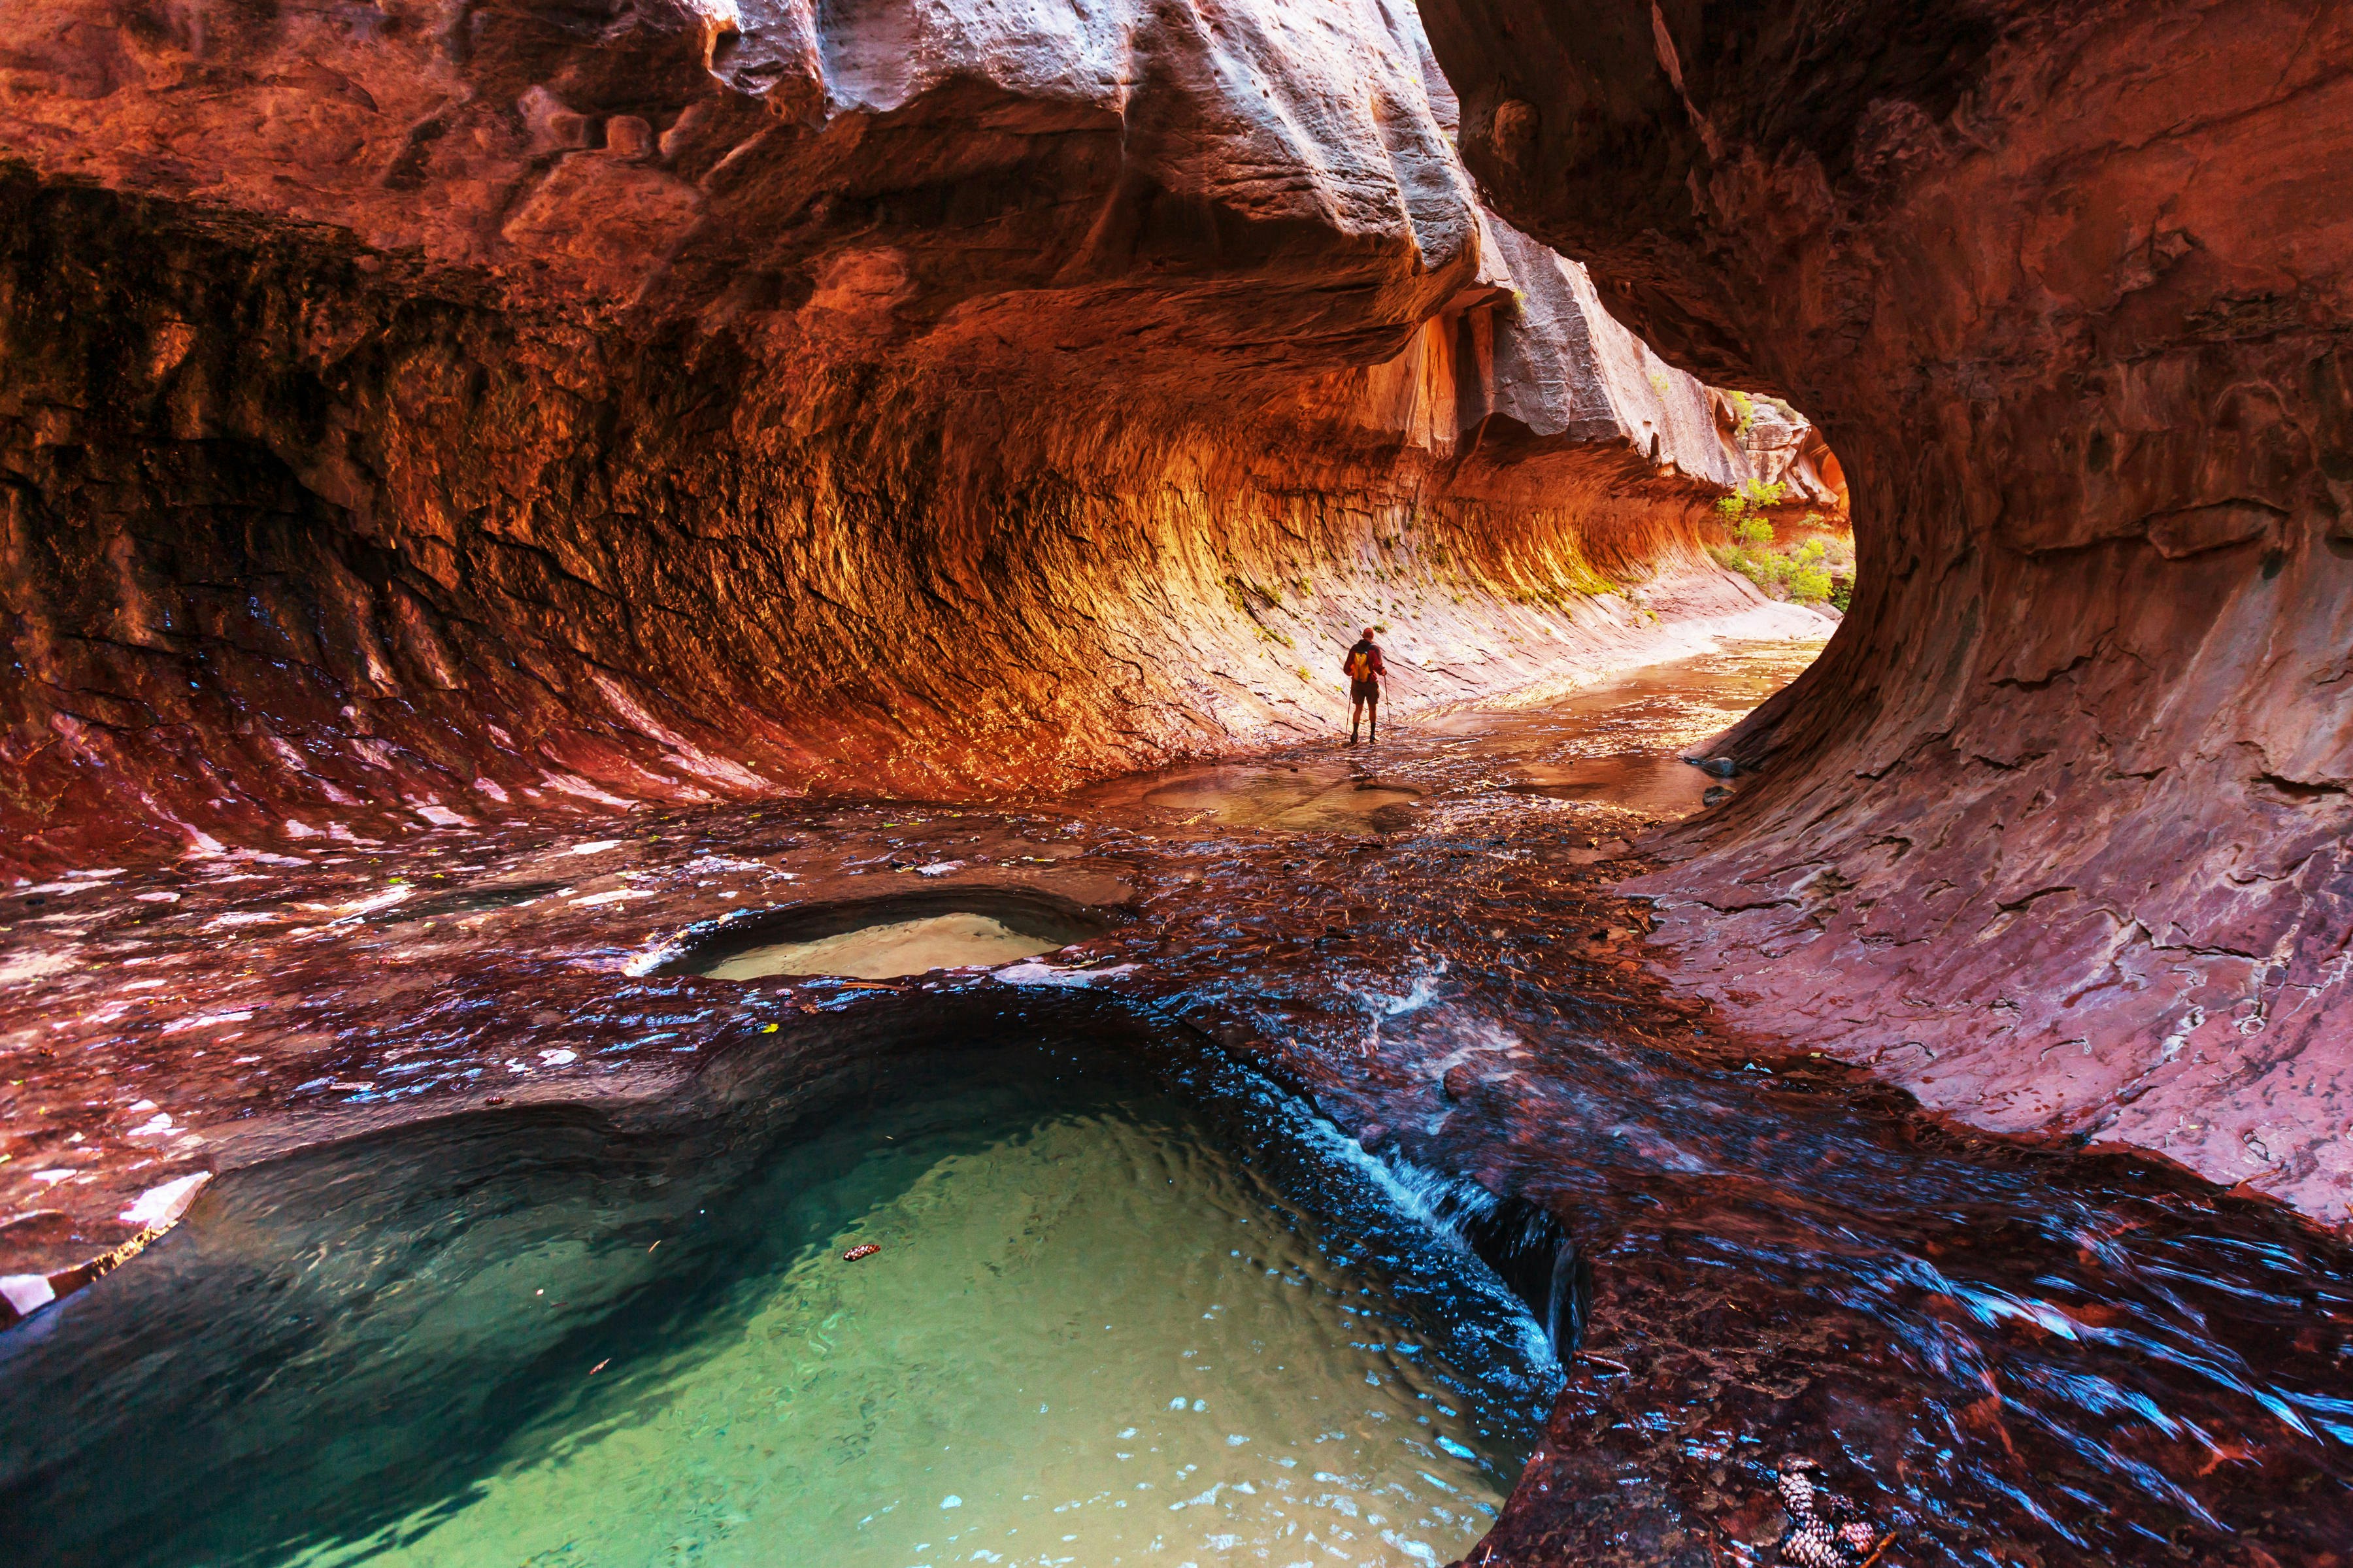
column 1121, row 1315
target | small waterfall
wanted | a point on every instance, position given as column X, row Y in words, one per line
column 1526, row 1246
column 1530, row 1251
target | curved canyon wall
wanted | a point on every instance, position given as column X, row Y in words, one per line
column 451, row 411
column 2055, row 831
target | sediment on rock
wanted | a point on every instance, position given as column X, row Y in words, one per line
column 2053, row 833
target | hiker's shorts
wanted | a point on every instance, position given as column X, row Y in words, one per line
column 1363, row 691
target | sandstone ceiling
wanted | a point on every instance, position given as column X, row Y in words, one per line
column 436, row 410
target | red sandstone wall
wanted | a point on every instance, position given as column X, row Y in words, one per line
column 495, row 411
column 2054, row 833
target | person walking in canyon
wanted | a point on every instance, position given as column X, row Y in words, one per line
column 1365, row 670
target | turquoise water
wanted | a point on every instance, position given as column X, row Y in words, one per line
column 1118, row 1316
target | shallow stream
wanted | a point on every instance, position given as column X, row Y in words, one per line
column 2007, row 1355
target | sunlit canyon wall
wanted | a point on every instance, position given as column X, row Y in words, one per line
column 442, row 413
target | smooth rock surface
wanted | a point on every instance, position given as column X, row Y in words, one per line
column 2054, row 833
column 444, row 416
column 2008, row 1354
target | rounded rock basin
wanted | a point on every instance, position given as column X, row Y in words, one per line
column 885, row 938
column 1129, row 1307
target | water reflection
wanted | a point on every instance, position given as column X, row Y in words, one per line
column 2009, row 1354
column 1127, row 1307
column 1316, row 798
column 1654, row 786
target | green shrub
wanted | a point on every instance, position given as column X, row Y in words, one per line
column 1740, row 560
column 1808, row 573
column 1748, row 496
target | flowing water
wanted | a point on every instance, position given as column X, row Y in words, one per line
column 1105, row 1325
column 2009, row 1355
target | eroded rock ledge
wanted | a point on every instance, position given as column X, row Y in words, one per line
column 2055, row 832
column 476, row 412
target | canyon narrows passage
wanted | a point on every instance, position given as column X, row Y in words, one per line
column 1998, row 1350
column 529, row 534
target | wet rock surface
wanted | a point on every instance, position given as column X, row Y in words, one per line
column 296, row 1340
column 2002, row 1353
column 2054, row 833
column 476, row 414
column 429, row 433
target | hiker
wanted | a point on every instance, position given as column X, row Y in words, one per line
column 1365, row 670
